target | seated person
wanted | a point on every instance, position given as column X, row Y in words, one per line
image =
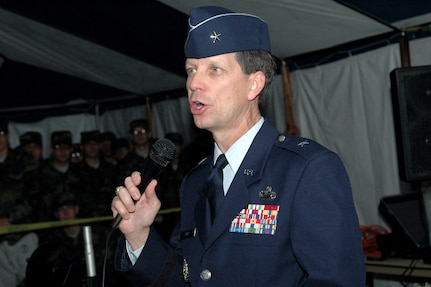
column 60, row 258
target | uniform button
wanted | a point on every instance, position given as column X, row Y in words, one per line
column 281, row 138
column 205, row 275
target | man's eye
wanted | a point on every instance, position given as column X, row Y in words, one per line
column 190, row 71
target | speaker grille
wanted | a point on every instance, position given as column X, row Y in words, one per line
column 411, row 99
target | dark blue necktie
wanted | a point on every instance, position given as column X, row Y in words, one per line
column 215, row 191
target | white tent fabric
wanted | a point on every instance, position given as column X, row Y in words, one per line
column 27, row 41
column 355, row 91
column 346, row 106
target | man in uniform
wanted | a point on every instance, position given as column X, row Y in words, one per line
column 283, row 214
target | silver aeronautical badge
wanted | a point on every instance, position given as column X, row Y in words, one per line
column 267, row 194
column 185, row 270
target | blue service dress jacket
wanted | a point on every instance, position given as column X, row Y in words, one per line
column 287, row 220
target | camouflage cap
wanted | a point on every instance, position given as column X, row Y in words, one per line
column 30, row 138
column 88, row 136
column 61, row 138
column 108, row 136
column 139, row 123
column 62, row 199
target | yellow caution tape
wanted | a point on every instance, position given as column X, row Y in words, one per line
column 14, row 228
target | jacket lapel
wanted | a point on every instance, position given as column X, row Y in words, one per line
column 202, row 208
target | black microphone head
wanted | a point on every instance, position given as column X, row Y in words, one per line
column 162, row 152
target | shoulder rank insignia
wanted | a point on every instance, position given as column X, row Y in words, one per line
column 303, row 143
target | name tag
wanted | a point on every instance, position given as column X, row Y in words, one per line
column 256, row 219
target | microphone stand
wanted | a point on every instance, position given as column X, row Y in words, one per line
column 89, row 257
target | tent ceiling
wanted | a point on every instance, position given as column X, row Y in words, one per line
column 55, row 52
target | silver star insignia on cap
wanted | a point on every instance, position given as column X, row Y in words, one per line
column 215, row 37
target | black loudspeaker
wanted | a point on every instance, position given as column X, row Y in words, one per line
column 406, row 215
column 411, row 102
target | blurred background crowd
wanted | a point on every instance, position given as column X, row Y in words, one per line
column 76, row 180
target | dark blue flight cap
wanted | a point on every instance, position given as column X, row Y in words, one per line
column 216, row 30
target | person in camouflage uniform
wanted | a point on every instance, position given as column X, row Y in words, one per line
column 96, row 183
column 31, row 145
column 76, row 156
column 60, row 258
column 15, row 208
column 108, row 138
column 56, row 173
column 120, row 149
column 142, row 139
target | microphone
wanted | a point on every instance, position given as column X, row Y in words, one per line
column 161, row 154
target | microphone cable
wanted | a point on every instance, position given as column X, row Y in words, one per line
column 105, row 257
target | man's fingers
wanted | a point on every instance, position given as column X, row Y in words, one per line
column 131, row 183
column 118, row 207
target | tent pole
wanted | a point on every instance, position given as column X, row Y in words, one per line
column 404, row 50
column 292, row 129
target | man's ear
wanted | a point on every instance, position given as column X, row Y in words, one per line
column 257, row 81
